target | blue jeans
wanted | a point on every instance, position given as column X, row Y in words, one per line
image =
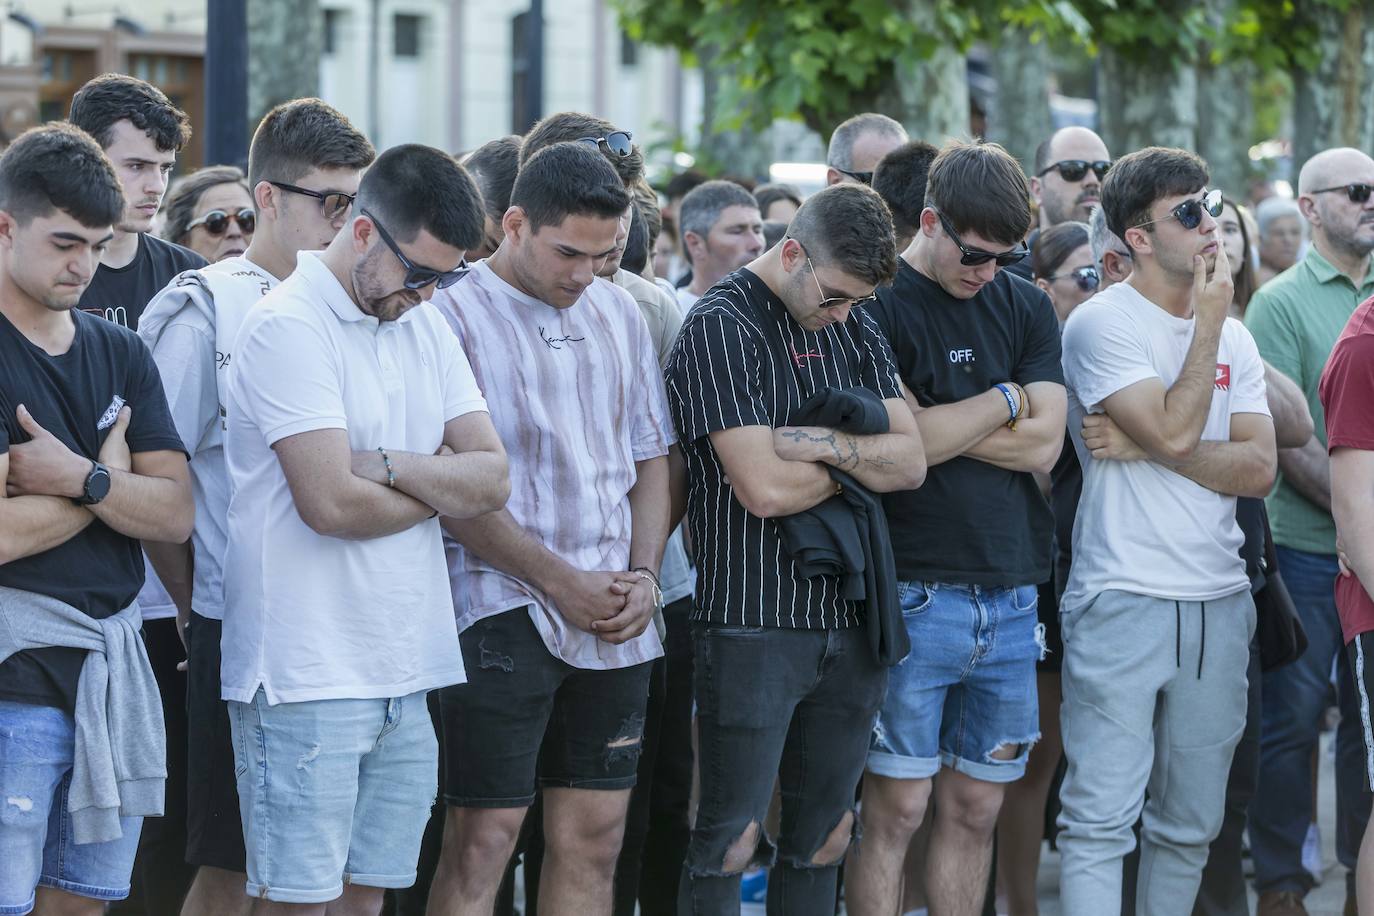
column 968, row 687
column 36, row 848
column 1294, row 697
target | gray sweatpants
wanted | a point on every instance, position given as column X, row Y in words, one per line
column 1154, row 699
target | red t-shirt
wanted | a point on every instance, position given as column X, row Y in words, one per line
column 1347, row 396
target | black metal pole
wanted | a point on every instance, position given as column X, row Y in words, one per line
column 534, row 76
column 226, row 83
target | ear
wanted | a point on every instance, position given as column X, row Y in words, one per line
column 361, row 233
column 832, row 177
column 8, row 225
column 1043, row 284
column 1138, row 240
column 792, row 254
column 694, row 244
column 930, row 222
column 514, row 223
column 265, row 199
column 1308, row 206
column 1036, row 188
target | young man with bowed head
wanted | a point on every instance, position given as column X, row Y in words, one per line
column 556, row 592
column 786, row 682
column 353, row 422
column 978, row 352
column 89, row 464
column 190, row 327
column 1168, row 415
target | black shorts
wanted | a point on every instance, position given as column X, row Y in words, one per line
column 214, row 830
column 1047, row 612
column 526, row 718
column 1361, row 651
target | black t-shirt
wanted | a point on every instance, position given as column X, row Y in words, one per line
column 970, row 522
column 741, row 360
column 76, row 397
column 120, row 294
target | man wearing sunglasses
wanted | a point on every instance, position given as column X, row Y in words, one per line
column 190, row 327
column 858, row 145
column 353, row 422
column 1296, row 318
column 978, row 353
column 1157, row 615
column 1067, row 181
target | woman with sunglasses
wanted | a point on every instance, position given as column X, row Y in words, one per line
column 211, row 213
column 1062, row 265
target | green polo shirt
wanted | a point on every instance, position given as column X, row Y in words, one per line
column 1295, row 319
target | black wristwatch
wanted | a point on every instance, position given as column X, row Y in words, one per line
column 96, row 487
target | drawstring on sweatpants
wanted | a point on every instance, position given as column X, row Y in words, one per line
column 1178, row 638
column 1202, row 644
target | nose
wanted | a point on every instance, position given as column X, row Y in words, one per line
column 986, row 271
column 584, row 271
column 234, row 231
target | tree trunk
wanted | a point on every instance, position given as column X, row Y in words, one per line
column 929, row 96
column 1147, row 103
column 737, row 151
column 1333, row 105
column 1020, row 118
column 285, row 41
column 1225, row 124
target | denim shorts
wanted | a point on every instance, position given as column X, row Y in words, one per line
column 36, row 848
column 332, row 791
column 967, row 690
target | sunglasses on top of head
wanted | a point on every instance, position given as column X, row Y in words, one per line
column 1189, row 213
column 619, row 142
column 1086, row 278
column 216, row 222
column 974, row 257
column 418, row 277
column 1358, row 192
column 1074, row 169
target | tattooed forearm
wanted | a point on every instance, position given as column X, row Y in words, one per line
column 878, row 462
column 841, row 446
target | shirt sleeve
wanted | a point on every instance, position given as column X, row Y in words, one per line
column 185, row 357
column 713, row 376
column 651, row 425
column 1248, row 391
column 879, row 365
column 1347, row 393
column 150, row 422
column 1041, row 358
column 285, row 376
column 1102, row 355
column 1269, row 319
column 462, row 395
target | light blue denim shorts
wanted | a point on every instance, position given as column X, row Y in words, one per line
column 332, row 792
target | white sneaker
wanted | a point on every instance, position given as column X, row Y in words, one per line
column 1312, row 852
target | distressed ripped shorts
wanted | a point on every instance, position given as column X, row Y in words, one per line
column 965, row 697
column 526, row 719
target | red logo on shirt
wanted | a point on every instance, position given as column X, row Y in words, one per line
column 798, row 357
column 1223, row 377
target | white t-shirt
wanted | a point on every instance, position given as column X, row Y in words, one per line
column 1142, row 527
column 308, row 617
column 685, row 298
column 182, row 334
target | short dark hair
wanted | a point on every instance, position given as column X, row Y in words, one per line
column 637, row 247
column 575, row 126
column 493, row 165
column 980, row 188
column 646, row 202
column 413, row 187
column 681, row 184
column 58, row 166
column 301, row 135
column 900, row 180
column 1055, row 244
column 1139, row 179
column 185, row 197
column 568, row 179
column 769, row 194
column 848, row 227
column 113, row 97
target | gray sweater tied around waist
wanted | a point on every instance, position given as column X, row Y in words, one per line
column 119, row 766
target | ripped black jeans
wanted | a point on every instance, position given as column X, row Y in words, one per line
column 795, row 706
column 525, row 717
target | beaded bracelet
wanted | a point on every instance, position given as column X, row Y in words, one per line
column 390, row 473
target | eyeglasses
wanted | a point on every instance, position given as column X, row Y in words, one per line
column 834, row 302
column 333, row 204
column 861, row 177
column 1087, row 278
column 1072, row 170
column 973, row 257
column 617, row 141
column 418, row 277
column 1189, row 213
column 216, row 222
column 1358, row 193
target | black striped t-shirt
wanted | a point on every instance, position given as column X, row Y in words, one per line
column 741, row 360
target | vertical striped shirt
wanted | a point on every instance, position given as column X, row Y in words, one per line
column 577, row 398
column 741, row 360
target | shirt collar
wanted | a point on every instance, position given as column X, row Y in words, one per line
column 327, row 286
column 1324, row 272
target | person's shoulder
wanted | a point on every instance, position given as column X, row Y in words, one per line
column 97, row 328
column 1108, row 310
column 170, row 253
column 1285, row 292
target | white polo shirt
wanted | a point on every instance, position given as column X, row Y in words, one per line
column 309, row 617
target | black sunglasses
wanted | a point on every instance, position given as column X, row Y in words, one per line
column 617, row 141
column 216, row 222
column 1074, row 169
column 418, row 277
column 1189, row 213
column 861, row 177
column 1358, row 193
column 1087, row 278
column 831, row 302
column 973, row 257
column 333, row 204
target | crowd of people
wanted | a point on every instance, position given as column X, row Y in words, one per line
column 380, row 530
